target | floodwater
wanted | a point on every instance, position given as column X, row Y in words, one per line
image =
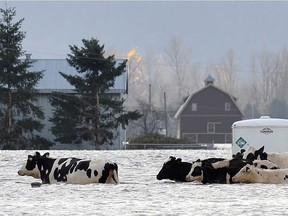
column 139, row 192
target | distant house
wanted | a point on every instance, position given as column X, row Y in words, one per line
column 53, row 81
column 207, row 115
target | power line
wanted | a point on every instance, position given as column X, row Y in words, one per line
column 200, row 66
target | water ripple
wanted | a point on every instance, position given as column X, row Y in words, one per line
column 139, row 193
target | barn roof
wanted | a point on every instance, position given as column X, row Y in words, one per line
column 52, row 80
column 182, row 107
column 209, row 79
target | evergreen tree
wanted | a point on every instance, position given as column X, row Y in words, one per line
column 19, row 116
column 90, row 113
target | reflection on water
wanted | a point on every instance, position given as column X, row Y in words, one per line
column 139, row 193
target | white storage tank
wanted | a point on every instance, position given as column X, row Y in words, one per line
column 265, row 131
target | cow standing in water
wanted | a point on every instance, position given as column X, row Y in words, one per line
column 203, row 171
column 174, row 169
column 251, row 174
column 279, row 158
column 222, row 171
column 72, row 170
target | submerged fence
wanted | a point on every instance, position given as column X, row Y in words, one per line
column 168, row 146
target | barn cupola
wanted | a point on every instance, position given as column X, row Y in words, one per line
column 209, row 80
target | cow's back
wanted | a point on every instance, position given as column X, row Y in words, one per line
column 80, row 171
column 86, row 171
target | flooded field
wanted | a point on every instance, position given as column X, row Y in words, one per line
column 139, row 192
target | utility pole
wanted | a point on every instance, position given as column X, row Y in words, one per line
column 166, row 126
column 149, row 98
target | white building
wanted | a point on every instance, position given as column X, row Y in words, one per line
column 53, row 81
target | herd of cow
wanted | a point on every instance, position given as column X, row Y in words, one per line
column 247, row 166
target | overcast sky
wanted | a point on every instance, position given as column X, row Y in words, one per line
column 209, row 28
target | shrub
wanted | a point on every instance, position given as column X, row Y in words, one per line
column 157, row 139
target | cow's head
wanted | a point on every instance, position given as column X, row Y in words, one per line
column 244, row 175
column 262, row 156
column 265, row 164
column 239, row 155
column 31, row 168
column 251, row 153
column 196, row 172
column 170, row 169
column 34, row 172
column 113, row 173
column 109, row 173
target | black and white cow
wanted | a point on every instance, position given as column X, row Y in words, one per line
column 251, row 174
column 279, row 158
column 72, row 170
column 251, row 153
column 203, row 171
column 222, row 171
column 263, row 164
column 174, row 169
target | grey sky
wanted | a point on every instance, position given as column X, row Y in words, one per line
column 210, row 29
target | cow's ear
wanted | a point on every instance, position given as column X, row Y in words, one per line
column 263, row 156
column 179, row 160
column 172, row 158
column 261, row 150
column 198, row 160
column 247, row 169
column 242, row 151
column 46, row 155
column 30, row 157
column 237, row 156
column 37, row 154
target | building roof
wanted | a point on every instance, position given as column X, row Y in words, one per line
column 263, row 121
column 209, row 79
column 182, row 107
column 52, row 80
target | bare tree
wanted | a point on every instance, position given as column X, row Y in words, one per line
column 226, row 73
column 179, row 58
column 158, row 77
column 150, row 120
column 266, row 79
column 282, row 59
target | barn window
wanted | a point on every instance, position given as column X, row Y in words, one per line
column 227, row 106
column 194, row 107
column 210, row 127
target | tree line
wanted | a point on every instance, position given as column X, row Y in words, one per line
column 88, row 114
column 151, row 76
column 260, row 90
